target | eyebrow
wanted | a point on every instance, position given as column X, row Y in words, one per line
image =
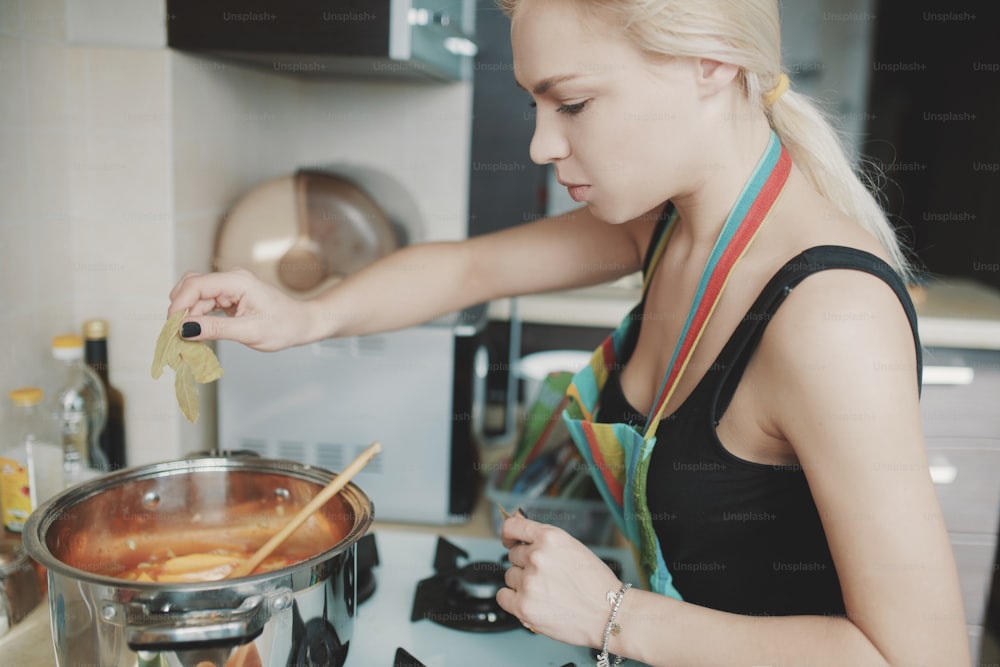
column 545, row 85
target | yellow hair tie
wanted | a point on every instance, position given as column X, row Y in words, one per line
column 771, row 96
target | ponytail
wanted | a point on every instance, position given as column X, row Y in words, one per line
column 818, row 151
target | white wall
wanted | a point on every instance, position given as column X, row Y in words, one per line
column 119, row 157
column 86, row 191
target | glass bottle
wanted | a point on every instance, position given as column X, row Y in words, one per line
column 31, row 458
column 110, row 452
column 81, row 409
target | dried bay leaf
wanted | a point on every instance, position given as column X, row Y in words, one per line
column 172, row 353
column 167, row 334
column 192, row 361
column 202, row 361
column 187, row 393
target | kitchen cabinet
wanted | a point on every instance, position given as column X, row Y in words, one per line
column 964, row 471
column 409, row 39
column 962, row 431
column 960, row 391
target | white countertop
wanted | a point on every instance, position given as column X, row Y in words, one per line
column 29, row 643
column 952, row 312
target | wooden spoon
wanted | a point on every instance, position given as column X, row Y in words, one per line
column 328, row 492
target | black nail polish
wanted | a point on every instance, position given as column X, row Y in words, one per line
column 190, row 329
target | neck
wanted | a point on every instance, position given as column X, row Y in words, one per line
column 729, row 162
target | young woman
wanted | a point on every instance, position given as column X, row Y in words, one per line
column 754, row 422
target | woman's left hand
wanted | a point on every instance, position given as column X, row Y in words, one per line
column 555, row 584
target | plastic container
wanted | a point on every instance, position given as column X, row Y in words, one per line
column 81, row 408
column 532, row 369
column 587, row 520
column 31, row 459
column 541, row 457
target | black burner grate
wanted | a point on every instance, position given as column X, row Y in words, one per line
column 462, row 594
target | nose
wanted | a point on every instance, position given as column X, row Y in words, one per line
column 548, row 143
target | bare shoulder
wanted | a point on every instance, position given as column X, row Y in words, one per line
column 838, row 370
column 843, row 295
column 840, row 345
column 833, row 308
column 844, row 322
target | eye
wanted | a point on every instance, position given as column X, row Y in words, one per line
column 572, row 109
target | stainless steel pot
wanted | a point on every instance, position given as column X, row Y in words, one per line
column 302, row 614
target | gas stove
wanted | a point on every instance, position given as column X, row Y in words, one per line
column 432, row 606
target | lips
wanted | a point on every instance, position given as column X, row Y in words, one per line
column 577, row 192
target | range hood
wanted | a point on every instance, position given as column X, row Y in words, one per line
column 410, row 39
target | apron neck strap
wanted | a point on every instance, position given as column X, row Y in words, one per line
column 744, row 221
column 664, row 229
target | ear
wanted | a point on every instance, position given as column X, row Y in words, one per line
column 714, row 76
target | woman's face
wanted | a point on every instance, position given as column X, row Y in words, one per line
column 618, row 127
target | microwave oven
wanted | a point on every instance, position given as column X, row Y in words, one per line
column 416, row 390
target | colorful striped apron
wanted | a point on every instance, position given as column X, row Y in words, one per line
column 618, row 454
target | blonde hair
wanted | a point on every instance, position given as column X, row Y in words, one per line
column 747, row 33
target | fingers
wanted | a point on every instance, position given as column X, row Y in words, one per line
column 236, row 293
column 508, row 598
column 202, row 293
column 514, row 577
column 519, row 555
column 213, row 327
column 518, row 529
column 177, row 288
column 555, row 583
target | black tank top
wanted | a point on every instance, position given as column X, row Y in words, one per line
column 740, row 536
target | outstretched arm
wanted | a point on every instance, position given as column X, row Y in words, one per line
column 418, row 283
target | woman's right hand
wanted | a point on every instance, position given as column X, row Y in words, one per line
column 257, row 315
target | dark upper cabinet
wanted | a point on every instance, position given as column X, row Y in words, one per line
column 413, row 39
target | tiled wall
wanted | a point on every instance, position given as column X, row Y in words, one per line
column 119, row 157
column 36, row 121
column 86, row 189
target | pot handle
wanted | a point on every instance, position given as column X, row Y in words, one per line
column 147, row 629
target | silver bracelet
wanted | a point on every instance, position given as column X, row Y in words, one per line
column 613, row 628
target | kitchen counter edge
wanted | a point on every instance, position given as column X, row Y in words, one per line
column 952, row 312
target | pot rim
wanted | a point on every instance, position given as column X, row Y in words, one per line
column 40, row 520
